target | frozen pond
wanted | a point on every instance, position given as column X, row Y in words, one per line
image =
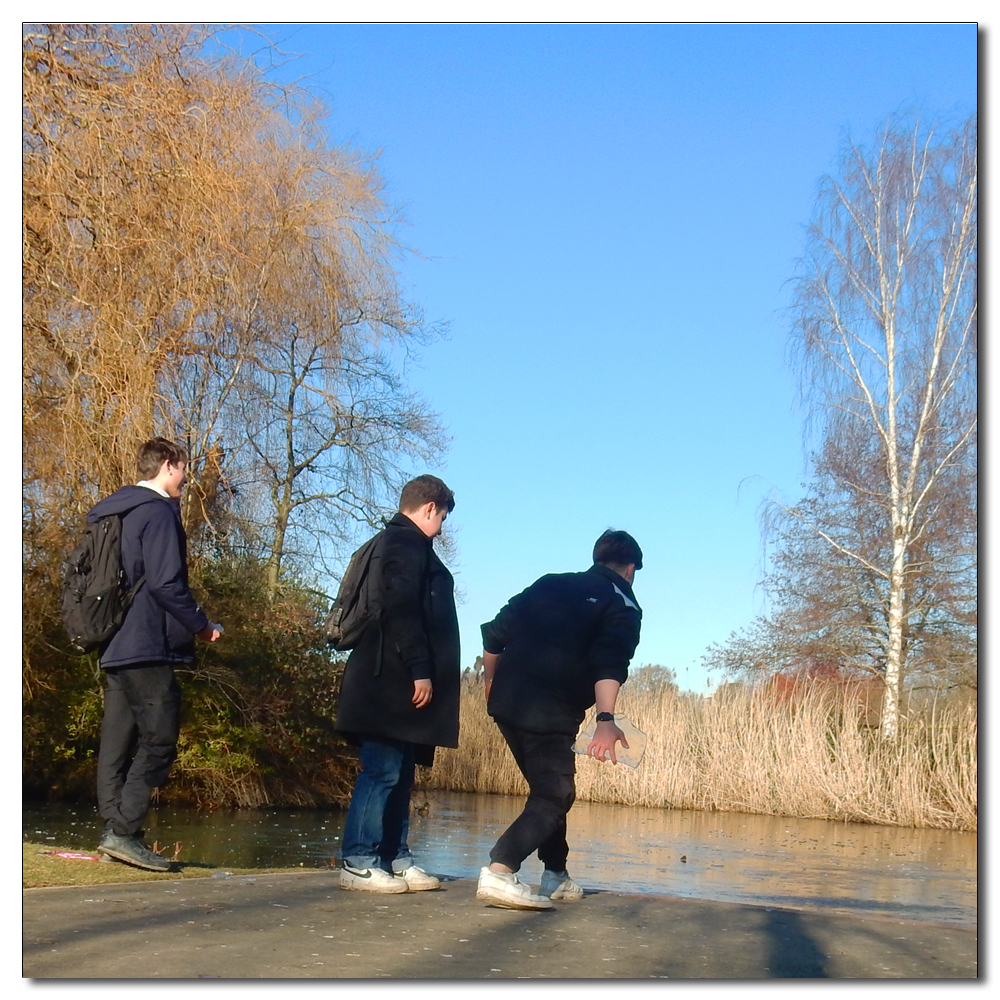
column 926, row 875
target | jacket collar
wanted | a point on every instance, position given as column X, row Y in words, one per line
column 619, row 581
column 400, row 520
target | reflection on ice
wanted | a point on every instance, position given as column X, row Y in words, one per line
column 732, row 857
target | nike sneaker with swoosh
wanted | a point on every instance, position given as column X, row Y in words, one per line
column 371, row 880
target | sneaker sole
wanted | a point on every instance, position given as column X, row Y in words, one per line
column 131, row 861
column 394, row 891
column 422, row 888
column 499, row 899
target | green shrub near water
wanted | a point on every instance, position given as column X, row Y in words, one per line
column 258, row 707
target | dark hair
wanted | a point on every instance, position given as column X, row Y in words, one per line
column 617, row 549
column 426, row 489
column 155, row 452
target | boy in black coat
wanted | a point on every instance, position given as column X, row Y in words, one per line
column 399, row 698
column 553, row 651
column 142, row 696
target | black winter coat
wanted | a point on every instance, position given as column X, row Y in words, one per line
column 556, row 640
column 164, row 616
column 415, row 637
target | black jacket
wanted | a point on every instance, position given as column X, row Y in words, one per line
column 556, row 640
column 164, row 616
column 415, row 637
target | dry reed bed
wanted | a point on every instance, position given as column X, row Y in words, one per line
column 811, row 758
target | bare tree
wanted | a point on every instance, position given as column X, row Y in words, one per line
column 299, row 377
column 132, row 202
column 200, row 259
column 885, row 337
column 327, row 432
column 829, row 612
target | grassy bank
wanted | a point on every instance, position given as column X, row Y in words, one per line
column 40, row 867
column 811, row 757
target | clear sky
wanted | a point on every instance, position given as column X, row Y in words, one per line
column 610, row 215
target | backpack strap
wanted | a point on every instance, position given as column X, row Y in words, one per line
column 378, row 618
column 142, row 579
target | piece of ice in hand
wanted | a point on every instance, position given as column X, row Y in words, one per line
column 636, row 739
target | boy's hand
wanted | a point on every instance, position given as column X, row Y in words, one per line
column 606, row 736
column 422, row 691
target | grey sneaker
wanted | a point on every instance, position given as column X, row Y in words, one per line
column 507, row 890
column 417, row 879
column 132, row 851
column 371, row 880
column 559, row 886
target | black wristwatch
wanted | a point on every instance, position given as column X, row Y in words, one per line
column 605, row 717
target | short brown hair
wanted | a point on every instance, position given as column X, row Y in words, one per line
column 617, row 549
column 426, row 489
column 155, row 452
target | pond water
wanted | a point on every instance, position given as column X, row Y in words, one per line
column 926, row 875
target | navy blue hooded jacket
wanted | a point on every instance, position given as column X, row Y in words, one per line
column 164, row 617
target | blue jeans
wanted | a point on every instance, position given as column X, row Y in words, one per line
column 378, row 818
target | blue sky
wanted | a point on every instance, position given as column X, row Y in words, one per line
column 610, row 214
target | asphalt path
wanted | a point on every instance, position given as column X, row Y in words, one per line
column 302, row 926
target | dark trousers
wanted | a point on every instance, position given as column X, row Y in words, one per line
column 138, row 742
column 547, row 763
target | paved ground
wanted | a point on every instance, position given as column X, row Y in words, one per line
column 295, row 926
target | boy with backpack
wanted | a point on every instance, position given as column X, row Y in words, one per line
column 399, row 697
column 142, row 696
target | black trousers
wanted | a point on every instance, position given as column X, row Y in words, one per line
column 547, row 763
column 139, row 733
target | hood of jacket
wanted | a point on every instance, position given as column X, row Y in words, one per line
column 124, row 500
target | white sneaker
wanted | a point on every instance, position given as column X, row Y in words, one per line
column 371, row 880
column 507, row 890
column 417, row 879
column 558, row 885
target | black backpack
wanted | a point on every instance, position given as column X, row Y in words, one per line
column 95, row 596
column 359, row 598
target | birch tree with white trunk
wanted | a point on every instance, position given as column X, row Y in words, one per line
column 885, row 332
